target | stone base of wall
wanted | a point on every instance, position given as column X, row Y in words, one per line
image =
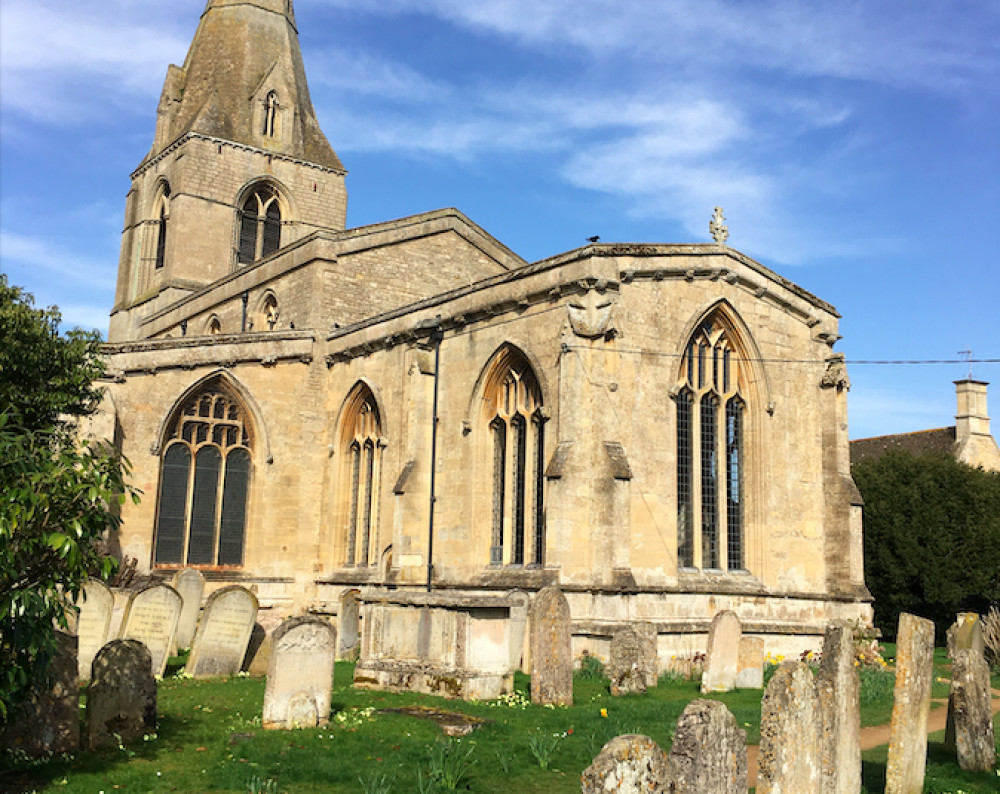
column 432, row 680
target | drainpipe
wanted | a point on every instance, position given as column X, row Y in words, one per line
column 243, row 323
column 436, row 336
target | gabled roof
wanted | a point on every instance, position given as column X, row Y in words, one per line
column 921, row 442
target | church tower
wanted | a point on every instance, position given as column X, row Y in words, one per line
column 239, row 166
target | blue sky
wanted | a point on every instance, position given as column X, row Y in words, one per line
column 855, row 146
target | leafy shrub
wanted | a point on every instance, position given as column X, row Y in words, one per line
column 591, row 668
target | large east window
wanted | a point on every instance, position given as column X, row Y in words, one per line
column 206, row 467
column 711, row 452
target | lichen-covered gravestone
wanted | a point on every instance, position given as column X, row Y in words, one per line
column 93, row 624
column 300, row 674
column 191, row 585
column 551, row 649
column 790, row 758
column 628, row 764
column 911, row 705
column 48, row 720
column 750, row 663
column 965, row 634
column 840, row 704
column 973, row 720
column 220, row 644
column 121, row 700
column 633, row 665
column 723, row 653
column 151, row 617
column 348, row 620
column 709, row 753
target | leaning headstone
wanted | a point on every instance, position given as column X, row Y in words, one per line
column 258, row 654
column 551, row 649
column 300, row 674
column 709, row 753
column 965, row 634
column 750, row 663
column 904, row 772
column 628, row 764
column 93, row 625
column 973, row 719
column 723, row 653
column 48, row 720
column 220, row 644
column 790, row 759
column 632, row 667
column 121, row 700
column 191, row 585
column 151, row 617
column 840, row 704
column 349, row 629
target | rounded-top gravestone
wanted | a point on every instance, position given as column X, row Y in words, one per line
column 121, row 700
column 93, row 624
column 220, row 644
column 151, row 617
column 300, row 674
column 551, row 648
column 191, row 585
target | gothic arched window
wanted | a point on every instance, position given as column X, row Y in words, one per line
column 205, row 482
column 361, row 432
column 270, row 113
column 513, row 404
column 711, row 453
column 161, row 217
column 259, row 225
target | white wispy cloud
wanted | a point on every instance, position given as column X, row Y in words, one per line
column 28, row 252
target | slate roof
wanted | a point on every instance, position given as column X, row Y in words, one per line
column 921, row 442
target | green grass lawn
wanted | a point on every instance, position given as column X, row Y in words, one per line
column 209, row 739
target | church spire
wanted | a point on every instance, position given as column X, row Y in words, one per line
column 244, row 81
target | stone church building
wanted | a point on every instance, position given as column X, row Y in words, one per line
column 311, row 408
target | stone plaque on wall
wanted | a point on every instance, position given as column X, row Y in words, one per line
column 151, row 617
column 93, row 624
column 220, row 644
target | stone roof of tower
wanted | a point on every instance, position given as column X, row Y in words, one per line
column 238, row 44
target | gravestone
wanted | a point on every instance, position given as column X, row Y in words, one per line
column 551, row 649
column 750, row 663
column 840, row 704
column 258, row 654
column 965, row 634
column 970, row 703
column 349, row 625
column 627, row 764
column 121, row 699
column 300, row 674
column 790, row 758
column 904, row 772
column 709, row 753
column 633, row 664
column 48, row 720
column 151, row 617
column 723, row 653
column 220, row 644
column 520, row 604
column 93, row 625
column 191, row 585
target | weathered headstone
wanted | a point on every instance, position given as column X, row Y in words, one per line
column 970, row 703
column 628, row 764
column 750, row 663
column 48, row 720
column 349, row 620
column 633, row 664
column 904, row 773
column 93, row 625
column 965, row 634
column 220, row 644
column 709, row 753
column 300, row 674
column 258, row 654
column 151, row 617
column 121, row 700
column 790, row 759
column 723, row 653
column 191, row 585
column 551, row 648
column 840, row 705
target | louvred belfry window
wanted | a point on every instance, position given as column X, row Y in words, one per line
column 259, row 225
column 710, row 453
column 204, row 484
column 517, row 450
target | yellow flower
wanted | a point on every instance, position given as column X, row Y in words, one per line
column 604, row 713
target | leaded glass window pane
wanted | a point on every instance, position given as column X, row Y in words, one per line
column 204, row 499
column 234, row 507
column 734, row 483
column 173, row 505
column 709, row 484
column 685, row 486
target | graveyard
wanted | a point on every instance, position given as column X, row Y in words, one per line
column 201, row 723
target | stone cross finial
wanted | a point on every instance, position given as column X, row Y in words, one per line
column 718, row 228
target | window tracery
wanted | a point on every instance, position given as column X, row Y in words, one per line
column 204, row 483
column 517, row 429
column 710, row 410
column 362, row 431
column 162, row 218
column 259, row 225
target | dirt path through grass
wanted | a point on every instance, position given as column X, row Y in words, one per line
column 876, row 735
